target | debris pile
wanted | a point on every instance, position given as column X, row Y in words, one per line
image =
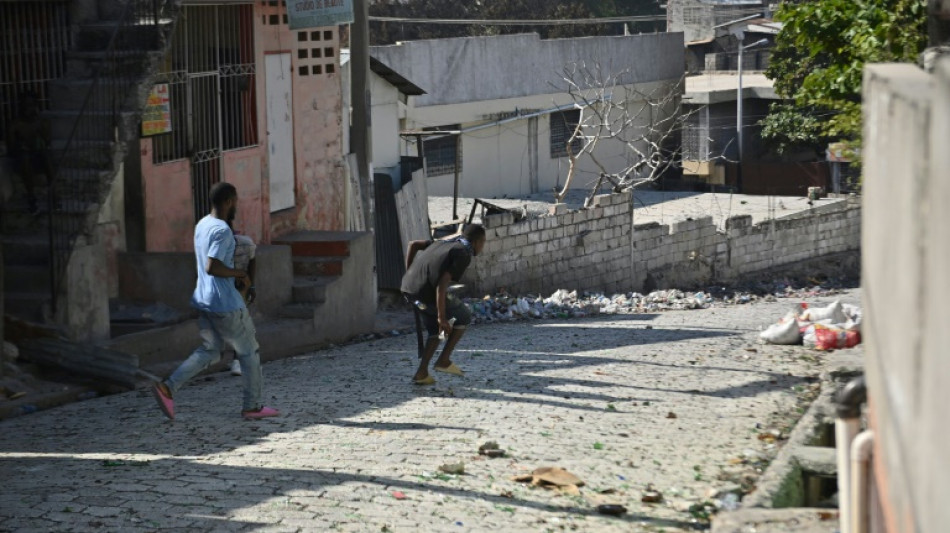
column 832, row 327
column 564, row 304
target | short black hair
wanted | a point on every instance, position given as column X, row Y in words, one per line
column 222, row 192
column 473, row 232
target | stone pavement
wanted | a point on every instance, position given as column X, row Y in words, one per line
column 621, row 401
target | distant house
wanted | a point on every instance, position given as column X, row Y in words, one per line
column 504, row 98
column 697, row 19
column 720, row 53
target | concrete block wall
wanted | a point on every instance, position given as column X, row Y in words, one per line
column 906, row 249
column 601, row 248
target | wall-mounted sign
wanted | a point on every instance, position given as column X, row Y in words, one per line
column 317, row 13
column 157, row 117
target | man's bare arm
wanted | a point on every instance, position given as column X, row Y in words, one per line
column 414, row 248
column 218, row 269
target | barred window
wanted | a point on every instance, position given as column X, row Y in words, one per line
column 441, row 153
column 563, row 124
column 210, row 72
column 34, row 38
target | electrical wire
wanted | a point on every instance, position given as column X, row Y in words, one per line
column 520, row 22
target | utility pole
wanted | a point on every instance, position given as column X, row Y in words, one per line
column 739, row 112
column 361, row 133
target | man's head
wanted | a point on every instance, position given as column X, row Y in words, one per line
column 224, row 201
column 475, row 234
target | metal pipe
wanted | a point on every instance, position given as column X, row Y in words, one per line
column 847, row 426
column 861, row 450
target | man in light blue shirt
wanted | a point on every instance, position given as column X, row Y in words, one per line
column 222, row 315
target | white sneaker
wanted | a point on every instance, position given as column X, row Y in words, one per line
column 235, row 368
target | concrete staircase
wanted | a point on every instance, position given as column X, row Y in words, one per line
column 334, row 281
column 101, row 118
column 333, row 298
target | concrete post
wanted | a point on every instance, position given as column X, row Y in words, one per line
column 361, row 134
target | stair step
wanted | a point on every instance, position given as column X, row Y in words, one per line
column 97, row 36
column 310, row 290
column 319, row 243
column 26, row 278
column 77, row 93
column 95, row 154
column 26, row 305
column 96, row 124
column 88, row 63
column 299, row 311
column 26, row 249
column 318, row 266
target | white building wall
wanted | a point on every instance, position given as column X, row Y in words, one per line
column 496, row 160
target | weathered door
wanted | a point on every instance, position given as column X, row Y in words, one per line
column 280, row 131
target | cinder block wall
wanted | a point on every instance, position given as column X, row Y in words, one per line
column 603, row 249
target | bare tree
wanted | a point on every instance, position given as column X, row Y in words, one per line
column 612, row 109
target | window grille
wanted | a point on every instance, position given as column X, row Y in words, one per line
column 441, row 154
column 34, row 38
column 563, row 124
column 211, row 75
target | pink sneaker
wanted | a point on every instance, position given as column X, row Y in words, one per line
column 263, row 412
column 165, row 402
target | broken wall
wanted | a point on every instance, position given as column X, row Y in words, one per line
column 601, row 248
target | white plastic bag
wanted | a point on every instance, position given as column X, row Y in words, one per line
column 833, row 312
column 785, row 332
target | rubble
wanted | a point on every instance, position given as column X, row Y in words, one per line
column 564, row 304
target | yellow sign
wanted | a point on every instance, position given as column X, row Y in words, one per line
column 157, row 117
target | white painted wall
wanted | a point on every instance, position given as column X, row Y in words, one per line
column 469, row 80
column 495, row 160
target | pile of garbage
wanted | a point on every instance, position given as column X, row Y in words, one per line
column 832, row 327
column 564, row 304
column 571, row 304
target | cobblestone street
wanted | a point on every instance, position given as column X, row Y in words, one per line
column 621, row 401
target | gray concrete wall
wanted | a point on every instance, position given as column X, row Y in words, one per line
column 83, row 306
column 906, row 250
column 602, row 248
column 351, row 301
column 169, row 278
column 473, row 69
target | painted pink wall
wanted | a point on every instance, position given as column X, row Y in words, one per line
column 169, row 211
column 318, row 157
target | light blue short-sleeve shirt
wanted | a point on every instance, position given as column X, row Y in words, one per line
column 214, row 239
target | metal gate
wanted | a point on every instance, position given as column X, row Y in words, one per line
column 34, row 37
column 210, row 71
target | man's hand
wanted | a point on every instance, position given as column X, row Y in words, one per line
column 445, row 327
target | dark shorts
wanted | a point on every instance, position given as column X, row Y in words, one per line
column 454, row 308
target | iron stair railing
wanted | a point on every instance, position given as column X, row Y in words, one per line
column 77, row 189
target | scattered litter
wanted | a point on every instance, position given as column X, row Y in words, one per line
column 455, row 469
column 671, row 414
column 612, row 509
column 399, row 495
column 553, row 478
column 112, row 463
column 651, row 495
column 564, row 304
column 491, row 449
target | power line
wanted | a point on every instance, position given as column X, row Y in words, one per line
column 521, row 22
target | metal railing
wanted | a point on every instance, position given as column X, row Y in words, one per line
column 77, row 186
